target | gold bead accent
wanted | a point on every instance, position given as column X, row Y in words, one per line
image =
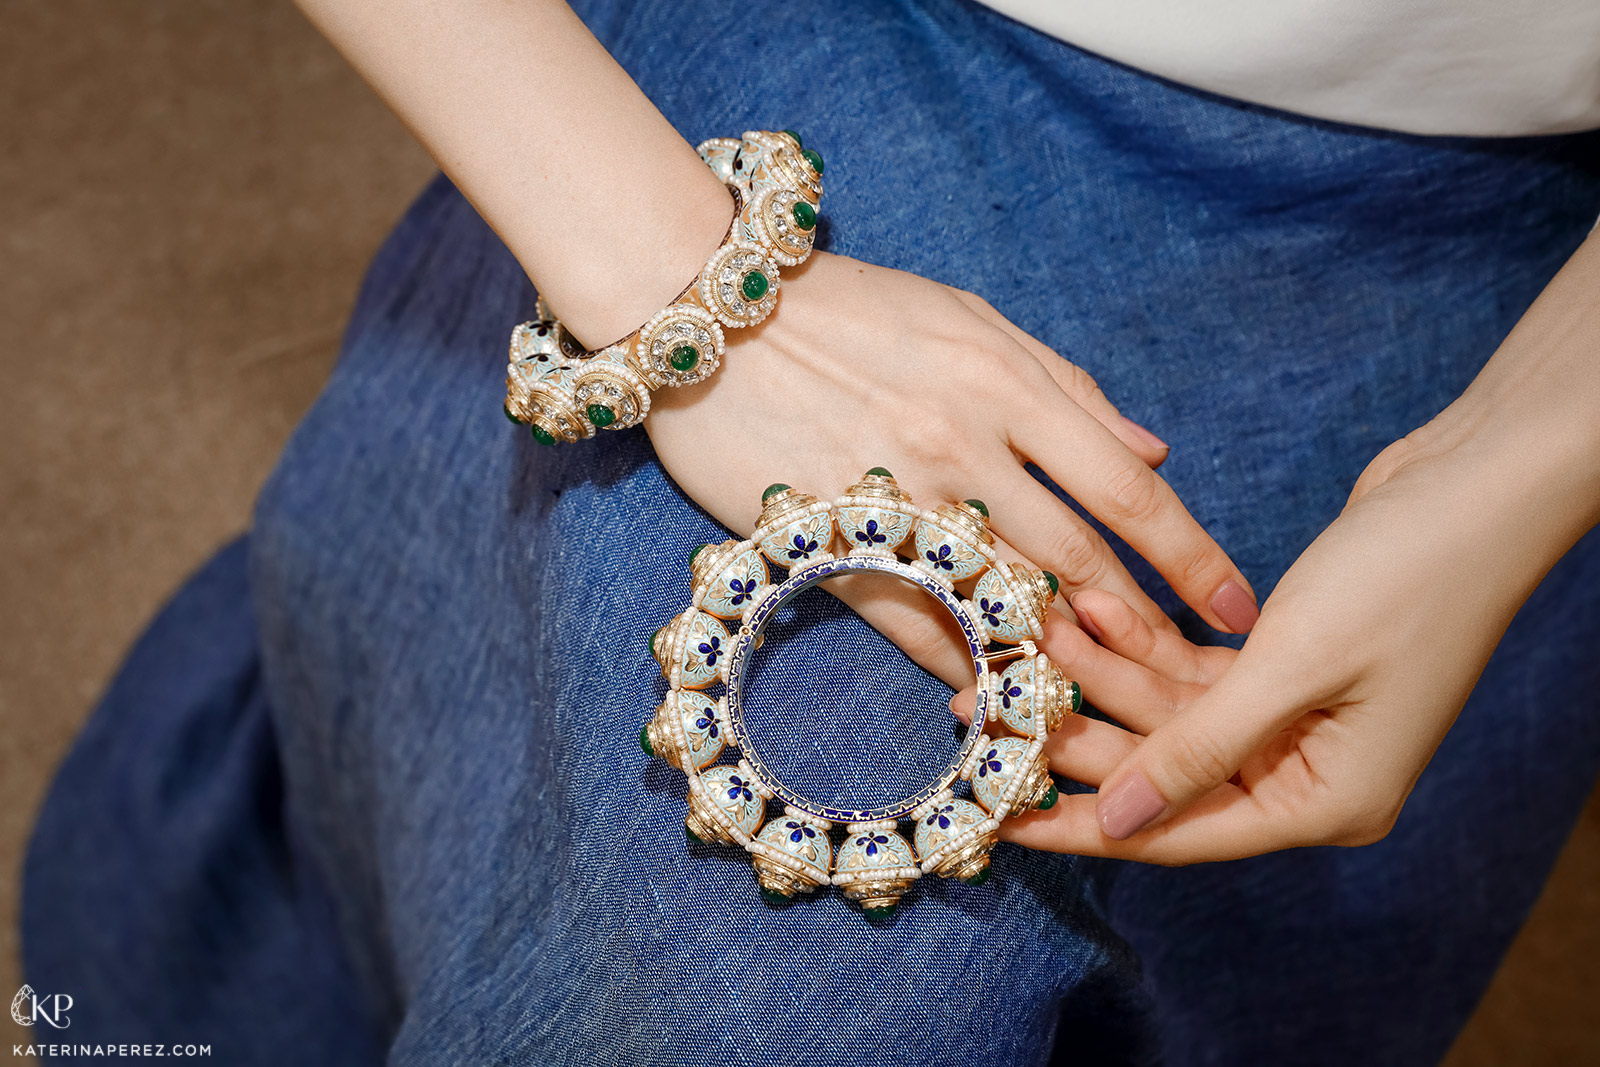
column 709, row 563
column 668, row 645
column 782, row 505
column 972, row 867
column 1052, row 695
column 662, row 742
column 970, row 859
column 1037, row 587
column 703, row 824
column 779, row 163
column 882, row 489
column 1031, row 592
column 721, row 284
column 780, row 870
column 1029, row 783
column 774, row 877
column 714, row 818
column 875, row 884
column 876, row 517
column 683, row 323
column 876, row 893
column 965, row 521
column 769, row 220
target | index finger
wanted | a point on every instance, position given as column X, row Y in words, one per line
column 1118, row 488
column 1226, row 824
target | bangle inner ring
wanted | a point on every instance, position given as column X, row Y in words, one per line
column 739, row 665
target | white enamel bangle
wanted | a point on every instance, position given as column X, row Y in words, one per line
column 1000, row 767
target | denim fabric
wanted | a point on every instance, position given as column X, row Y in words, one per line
column 453, row 620
column 160, row 891
column 829, row 721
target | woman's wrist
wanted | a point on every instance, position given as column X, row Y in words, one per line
column 640, row 256
column 564, row 396
column 1491, row 495
column 603, row 203
column 1520, row 449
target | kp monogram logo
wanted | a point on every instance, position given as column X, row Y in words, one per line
column 29, row 1008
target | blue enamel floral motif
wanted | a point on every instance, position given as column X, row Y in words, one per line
column 941, row 558
column 711, row 648
column 739, row 789
column 742, row 589
column 701, row 728
column 799, row 830
column 802, row 547
column 992, row 610
column 1016, row 698
column 869, row 535
column 872, row 841
column 990, row 762
column 941, row 817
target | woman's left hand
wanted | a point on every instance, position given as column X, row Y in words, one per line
column 1316, row 731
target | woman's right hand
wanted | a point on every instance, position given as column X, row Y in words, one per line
column 863, row 366
column 860, row 367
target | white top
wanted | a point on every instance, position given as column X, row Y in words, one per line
column 1477, row 67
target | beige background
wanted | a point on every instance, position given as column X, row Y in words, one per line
column 189, row 192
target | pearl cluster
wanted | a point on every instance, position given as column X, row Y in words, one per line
column 735, row 593
column 564, row 393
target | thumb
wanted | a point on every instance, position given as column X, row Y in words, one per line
column 1190, row 754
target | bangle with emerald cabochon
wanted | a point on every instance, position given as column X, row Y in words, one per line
column 562, row 392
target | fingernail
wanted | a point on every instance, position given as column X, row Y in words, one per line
column 959, row 709
column 1129, row 807
column 1145, row 435
column 1083, row 620
column 1235, row 607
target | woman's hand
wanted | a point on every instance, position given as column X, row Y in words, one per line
column 862, row 366
column 1316, row 731
column 1371, row 642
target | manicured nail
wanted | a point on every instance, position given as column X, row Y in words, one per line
column 1145, row 435
column 1129, row 807
column 1083, row 620
column 1235, row 607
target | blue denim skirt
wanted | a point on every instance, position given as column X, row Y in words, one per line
column 371, row 787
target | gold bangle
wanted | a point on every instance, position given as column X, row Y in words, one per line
column 735, row 596
column 564, row 393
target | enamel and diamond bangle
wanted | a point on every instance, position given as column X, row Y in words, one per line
column 999, row 769
column 565, row 393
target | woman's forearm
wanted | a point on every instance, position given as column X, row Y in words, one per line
column 606, row 207
column 1530, row 421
